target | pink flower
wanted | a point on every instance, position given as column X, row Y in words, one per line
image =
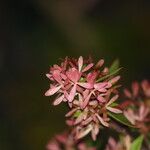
column 65, row 79
column 146, row 87
column 138, row 111
column 87, row 90
column 135, row 91
column 73, row 77
column 92, row 118
column 123, row 144
column 139, row 116
column 65, row 141
column 136, row 87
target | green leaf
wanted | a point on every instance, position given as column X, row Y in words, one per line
column 137, row 143
column 82, row 79
column 77, row 113
column 113, row 104
column 114, row 66
column 109, row 75
column 121, row 118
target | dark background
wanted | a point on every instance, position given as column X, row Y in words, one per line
column 34, row 34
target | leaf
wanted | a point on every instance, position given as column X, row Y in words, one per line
column 77, row 113
column 109, row 75
column 137, row 143
column 82, row 79
column 114, row 104
column 114, row 66
column 121, row 118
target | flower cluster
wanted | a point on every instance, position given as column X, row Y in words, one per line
column 138, row 113
column 89, row 90
column 66, row 141
column 123, row 144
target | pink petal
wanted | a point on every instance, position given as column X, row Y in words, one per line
column 65, row 100
column 91, row 77
column 111, row 144
column 84, row 132
column 79, row 119
column 114, row 110
column 143, row 112
column 135, row 88
column 114, row 80
column 130, row 116
column 76, row 102
column 48, row 75
column 95, row 131
column 73, row 75
column 63, row 76
column 80, row 63
column 70, row 122
column 56, row 76
column 58, row 100
column 80, row 98
column 100, row 63
column 89, row 66
column 113, row 99
column 101, row 86
column 71, row 96
column 105, row 70
column 127, row 93
column 79, row 89
column 85, row 85
column 87, row 121
column 109, row 85
column 52, row 90
column 86, row 93
column 86, row 101
column 61, row 138
column 146, row 87
column 102, row 121
column 70, row 113
column 101, row 99
column 93, row 103
column 70, row 104
column 53, row 146
column 82, row 146
column 56, row 67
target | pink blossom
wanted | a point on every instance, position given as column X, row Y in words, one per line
column 145, row 84
column 122, row 144
column 76, row 81
column 138, row 112
column 65, row 141
column 135, row 91
column 138, row 116
column 92, row 118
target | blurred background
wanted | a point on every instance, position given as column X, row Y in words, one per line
column 34, row 34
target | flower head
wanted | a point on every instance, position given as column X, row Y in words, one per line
column 138, row 112
column 92, row 118
column 65, row 141
column 80, row 76
column 89, row 90
column 123, row 144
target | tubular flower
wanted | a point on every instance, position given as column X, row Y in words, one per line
column 89, row 91
column 65, row 141
column 138, row 113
